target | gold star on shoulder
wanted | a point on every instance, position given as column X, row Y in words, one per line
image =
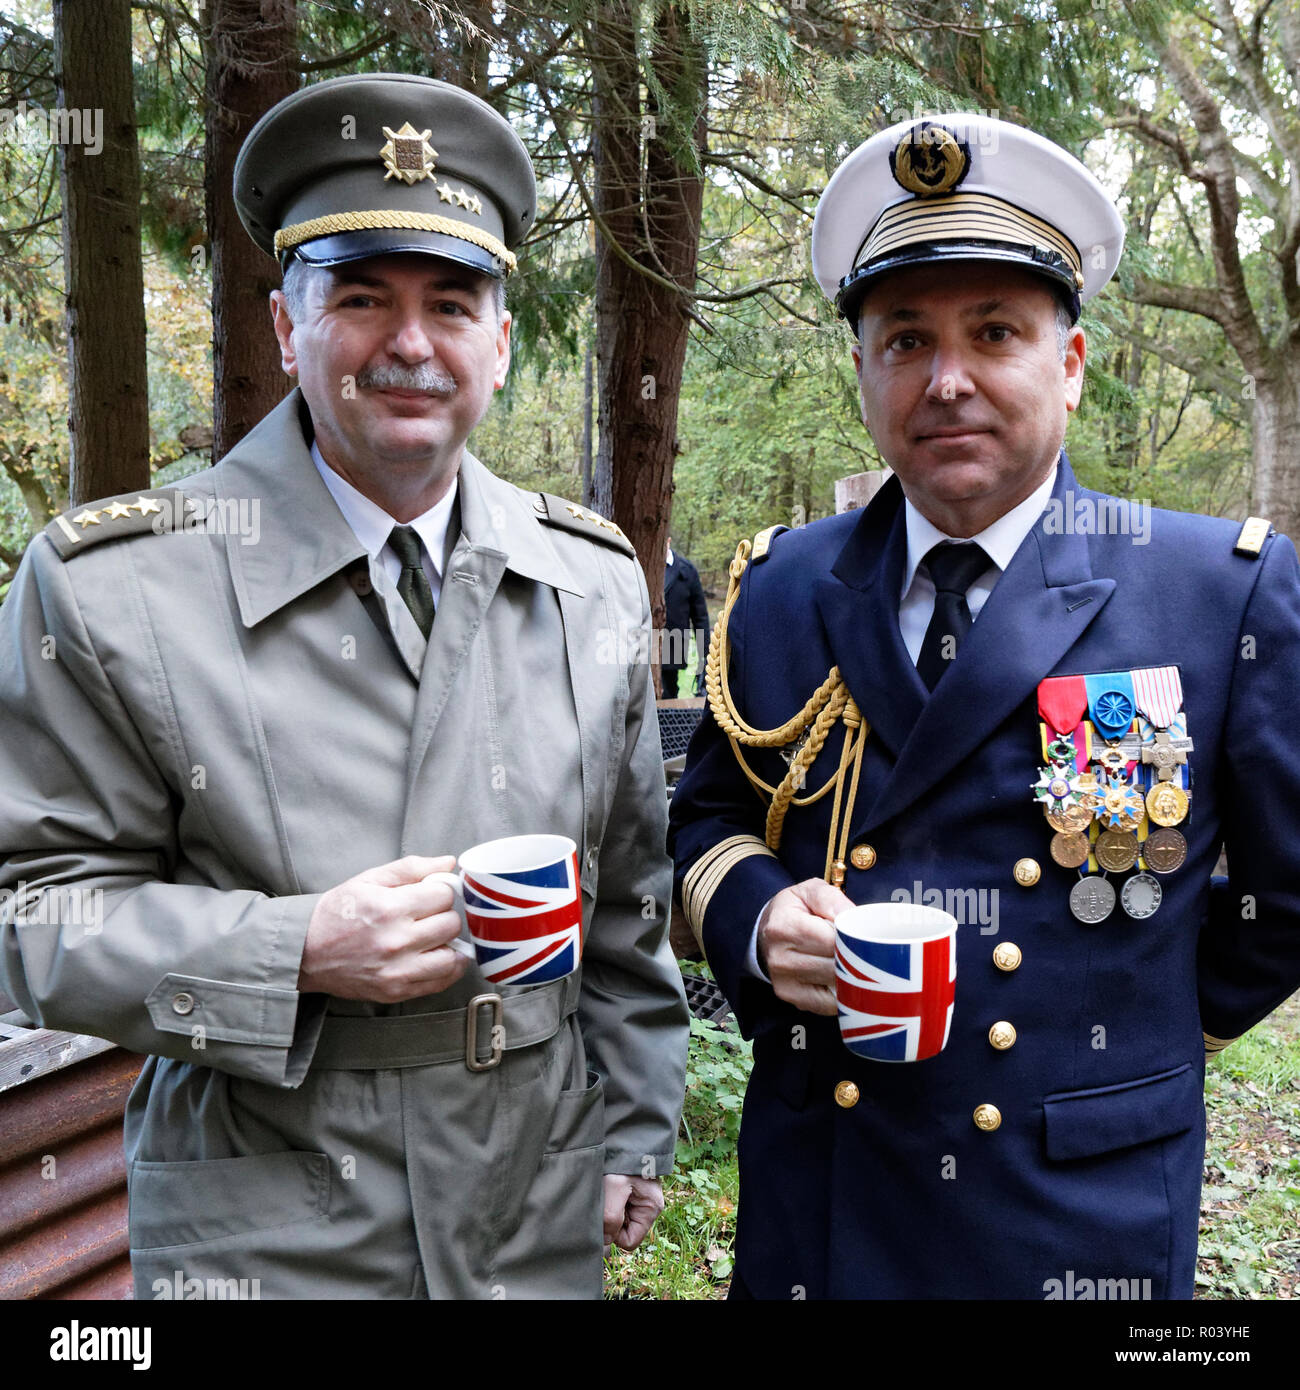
column 144, row 505
column 116, row 510
column 87, row 518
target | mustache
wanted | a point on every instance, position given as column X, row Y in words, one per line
column 393, row 378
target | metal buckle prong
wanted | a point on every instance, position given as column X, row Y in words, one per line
column 498, row 1033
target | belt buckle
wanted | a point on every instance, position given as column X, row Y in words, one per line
column 471, row 1031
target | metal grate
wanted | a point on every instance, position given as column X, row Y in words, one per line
column 677, row 721
column 706, row 1000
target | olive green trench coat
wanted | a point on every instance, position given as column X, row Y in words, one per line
column 201, row 733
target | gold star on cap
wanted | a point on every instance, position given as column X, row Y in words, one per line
column 116, row 510
column 462, row 198
column 145, row 505
column 87, row 518
column 408, row 154
column 445, row 194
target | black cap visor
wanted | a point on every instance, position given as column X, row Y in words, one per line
column 389, row 241
column 1048, row 264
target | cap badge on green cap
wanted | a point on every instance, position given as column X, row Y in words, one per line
column 408, row 154
column 929, row 160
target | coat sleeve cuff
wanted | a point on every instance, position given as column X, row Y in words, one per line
column 634, row 1165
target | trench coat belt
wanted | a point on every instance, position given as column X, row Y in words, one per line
column 350, row 1043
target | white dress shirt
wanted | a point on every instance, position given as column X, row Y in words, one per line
column 372, row 526
column 1000, row 542
column 916, row 601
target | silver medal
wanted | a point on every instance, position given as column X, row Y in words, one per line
column 1092, row 899
column 1141, row 895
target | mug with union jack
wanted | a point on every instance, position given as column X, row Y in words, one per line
column 895, row 980
column 521, row 901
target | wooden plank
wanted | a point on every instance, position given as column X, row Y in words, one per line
column 26, row 1053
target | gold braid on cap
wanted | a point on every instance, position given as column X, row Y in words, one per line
column 333, row 222
column 830, row 702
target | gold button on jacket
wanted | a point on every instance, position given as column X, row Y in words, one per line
column 1027, row 872
column 863, row 857
column 1006, row 956
column 988, row 1117
column 1002, row 1035
column 846, row 1095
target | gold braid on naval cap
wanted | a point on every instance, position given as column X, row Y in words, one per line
column 288, row 237
column 830, row 702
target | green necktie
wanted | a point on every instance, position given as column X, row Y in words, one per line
column 413, row 583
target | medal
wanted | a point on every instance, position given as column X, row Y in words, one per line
column 1073, row 818
column 1070, row 849
column 1092, row 899
column 1116, row 850
column 1121, row 806
column 1166, row 803
column 1164, row 851
column 1141, row 895
column 1055, row 787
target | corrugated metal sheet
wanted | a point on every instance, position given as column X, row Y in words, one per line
column 62, row 1172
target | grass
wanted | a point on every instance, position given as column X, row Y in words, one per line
column 1250, row 1202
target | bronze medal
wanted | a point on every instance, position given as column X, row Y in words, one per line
column 1116, row 850
column 1166, row 803
column 1164, row 851
column 1071, row 819
column 1070, row 849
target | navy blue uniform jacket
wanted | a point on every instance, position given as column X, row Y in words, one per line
column 1096, row 1166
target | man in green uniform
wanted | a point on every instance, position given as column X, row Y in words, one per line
column 255, row 747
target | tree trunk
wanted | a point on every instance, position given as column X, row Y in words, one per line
column 108, row 383
column 641, row 323
column 1275, row 434
column 250, row 66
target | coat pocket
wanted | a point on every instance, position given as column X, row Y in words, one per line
column 578, row 1121
column 557, row 1250
column 184, row 1203
column 1078, row 1124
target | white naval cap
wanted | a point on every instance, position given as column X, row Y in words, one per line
column 963, row 186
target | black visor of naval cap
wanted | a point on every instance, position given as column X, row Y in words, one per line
column 963, row 187
column 379, row 163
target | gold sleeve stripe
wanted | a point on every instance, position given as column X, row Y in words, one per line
column 961, row 215
column 709, row 870
column 335, row 222
column 1213, row 1045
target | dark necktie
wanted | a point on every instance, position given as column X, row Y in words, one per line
column 413, row 583
column 954, row 568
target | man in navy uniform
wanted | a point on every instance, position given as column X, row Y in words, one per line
column 1040, row 707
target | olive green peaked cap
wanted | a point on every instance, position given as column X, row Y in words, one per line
column 379, row 163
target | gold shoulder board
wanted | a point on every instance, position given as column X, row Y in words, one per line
column 763, row 542
column 1254, row 532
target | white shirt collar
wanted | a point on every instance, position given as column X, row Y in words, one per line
column 373, row 525
column 668, row 558
column 1001, row 540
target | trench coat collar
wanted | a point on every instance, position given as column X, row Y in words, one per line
column 304, row 539
column 1040, row 607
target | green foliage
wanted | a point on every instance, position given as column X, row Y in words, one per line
column 717, row 1072
column 1250, row 1202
